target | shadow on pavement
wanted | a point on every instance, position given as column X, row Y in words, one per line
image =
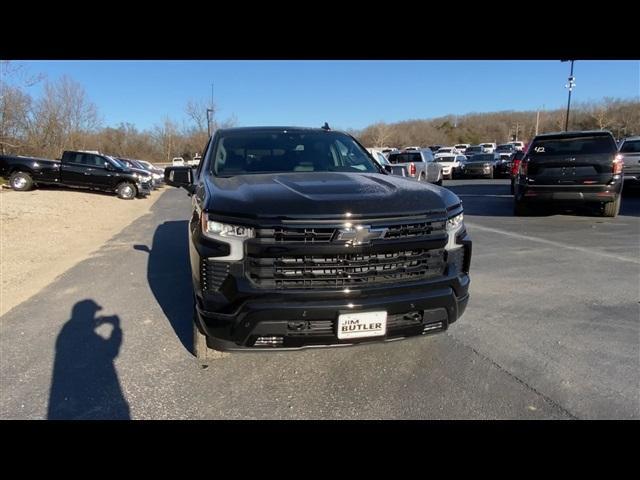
column 169, row 276
column 85, row 384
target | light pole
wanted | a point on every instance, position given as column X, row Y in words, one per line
column 570, row 86
column 210, row 111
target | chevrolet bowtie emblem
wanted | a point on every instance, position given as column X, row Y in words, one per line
column 360, row 234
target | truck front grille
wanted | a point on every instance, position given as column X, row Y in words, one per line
column 345, row 270
column 395, row 230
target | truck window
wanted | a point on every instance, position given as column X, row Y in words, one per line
column 573, row 145
column 631, row 146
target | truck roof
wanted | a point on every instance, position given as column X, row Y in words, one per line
column 576, row 133
column 273, row 129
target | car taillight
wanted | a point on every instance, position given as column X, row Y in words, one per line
column 514, row 167
column 618, row 164
column 412, row 169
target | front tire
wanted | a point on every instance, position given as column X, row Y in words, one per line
column 21, row 181
column 612, row 209
column 126, row 191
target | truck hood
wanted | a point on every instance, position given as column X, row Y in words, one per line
column 325, row 195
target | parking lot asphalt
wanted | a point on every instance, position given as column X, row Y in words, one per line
column 552, row 331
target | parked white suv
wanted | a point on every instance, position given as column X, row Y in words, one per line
column 488, row 147
column 450, row 164
column 446, row 151
column 519, row 145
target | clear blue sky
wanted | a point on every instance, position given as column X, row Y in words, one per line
column 347, row 94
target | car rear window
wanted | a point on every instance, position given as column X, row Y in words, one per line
column 404, row 157
column 631, row 146
column 573, row 145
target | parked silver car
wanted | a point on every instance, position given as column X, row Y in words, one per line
column 419, row 164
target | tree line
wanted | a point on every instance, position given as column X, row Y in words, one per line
column 620, row 116
column 64, row 118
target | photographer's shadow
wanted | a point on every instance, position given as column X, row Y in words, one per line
column 85, row 384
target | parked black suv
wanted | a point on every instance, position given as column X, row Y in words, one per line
column 299, row 239
column 569, row 168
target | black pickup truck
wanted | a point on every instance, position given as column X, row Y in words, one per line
column 299, row 239
column 569, row 168
column 77, row 170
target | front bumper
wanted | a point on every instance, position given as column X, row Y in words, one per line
column 234, row 318
column 476, row 171
column 570, row 193
column 144, row 188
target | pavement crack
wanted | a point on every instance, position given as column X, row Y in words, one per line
column 517, row 379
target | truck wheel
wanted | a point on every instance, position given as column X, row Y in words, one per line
column 21, row 181
column 126, row 191
column 421, row 178
column 611, row 209
column 513, row 187
column 491, row 175
column 520, row 209
column 439, row 182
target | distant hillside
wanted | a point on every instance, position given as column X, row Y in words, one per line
column 620, row 116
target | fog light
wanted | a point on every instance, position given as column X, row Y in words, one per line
column 269, row 342
column 429, row 327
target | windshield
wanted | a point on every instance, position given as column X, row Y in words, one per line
column 631, row 146
column 117, row 162
column 255, row 152
column 592, row 144
column 474, row 149
column 382, row 159
column 444, row 150
column 505, row 148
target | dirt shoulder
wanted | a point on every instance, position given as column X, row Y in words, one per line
column 45, row 232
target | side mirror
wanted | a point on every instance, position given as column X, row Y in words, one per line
column 180, row 177
column 108, row 166
column 388, row 168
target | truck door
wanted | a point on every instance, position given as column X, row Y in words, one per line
column 101, row 176
column 74, row 170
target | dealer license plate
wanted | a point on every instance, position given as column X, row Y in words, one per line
column 362, row 324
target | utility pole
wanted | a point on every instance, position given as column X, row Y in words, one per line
column 570, row 86
column 537, row 120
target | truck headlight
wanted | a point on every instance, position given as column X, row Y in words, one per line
column 213, row 229
column 455, row 225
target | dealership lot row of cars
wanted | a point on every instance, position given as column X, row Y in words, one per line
column 561, row 168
